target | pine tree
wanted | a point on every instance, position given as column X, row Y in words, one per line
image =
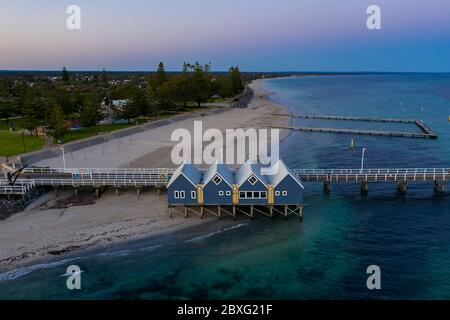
column 104, row 76
column 65, row 75
column 57, row 124
column 90, row 114
column 160, row 76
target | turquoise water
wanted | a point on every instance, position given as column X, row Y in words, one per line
column 325, row 255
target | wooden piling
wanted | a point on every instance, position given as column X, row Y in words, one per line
column 402, row 187
column 326, row 186
column 365, row 187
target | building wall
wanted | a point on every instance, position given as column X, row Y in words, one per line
column 181, row 184
column 258, row 186
column 294, row 192
column 211, row 193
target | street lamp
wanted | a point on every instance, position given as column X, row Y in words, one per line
column 64, row 157
column 362, row 159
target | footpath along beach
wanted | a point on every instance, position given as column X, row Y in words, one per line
column 46, row 230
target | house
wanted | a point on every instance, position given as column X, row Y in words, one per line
column 112, row 108
column 182, row 187
column 218, row 185
column 252, row 185
column 284, row 187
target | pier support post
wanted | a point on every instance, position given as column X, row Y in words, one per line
column 300, row 213
column 365, row 187
column 170, row 212
column 271, row 212
column 76, row 192
column 138, row 192
column 326, row 186
column 439, row 186
column 201, row 212
column 117, row 191
column 185, row 212
column 251, row 212
column 402, row 187
column 234, row 212
column 97, row 193
column 285, row 212
column 218, row 211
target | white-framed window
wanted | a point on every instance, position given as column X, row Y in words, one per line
column 277, row 193
column 217, row 179
column 253, row 195
column 193, row 194
column 182, row 195
column 284, row 193
column 220, row 193
column 252, row 180
column 228, row 193
column 176, row 194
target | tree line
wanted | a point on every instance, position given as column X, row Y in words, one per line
column 73, row 97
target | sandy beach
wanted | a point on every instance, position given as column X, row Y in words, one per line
column 46, row 230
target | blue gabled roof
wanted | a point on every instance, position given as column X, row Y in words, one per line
column 281, row 172
column 248, row 169
column 220, row 169
column 189, row 171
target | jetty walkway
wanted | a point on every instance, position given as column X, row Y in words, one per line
column 426, row 132
column 30, row 178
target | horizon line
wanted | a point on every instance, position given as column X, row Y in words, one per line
column 242, row 71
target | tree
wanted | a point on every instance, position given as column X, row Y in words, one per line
column 90, row 113
column 65, row 75
column 236, row 81
column 182, row 87
column 57, row 124
column 30, row 112
column 136, row 105
column 201, row 88
column 104, row 76
column 160, row 76
column 164, row 97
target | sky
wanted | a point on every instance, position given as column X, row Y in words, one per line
column 257, row 35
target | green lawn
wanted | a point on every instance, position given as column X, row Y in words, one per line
column 17, row 121
column 11, row 144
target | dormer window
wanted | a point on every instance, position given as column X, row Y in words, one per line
column 252, row 180
column 217, row 179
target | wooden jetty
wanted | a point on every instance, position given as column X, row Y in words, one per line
column 346, row 118
column 400, row 134
column 426, row 133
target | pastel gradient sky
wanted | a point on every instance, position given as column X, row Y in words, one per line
column 259, row 35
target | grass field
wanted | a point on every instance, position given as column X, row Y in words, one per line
column 11, row 144
column 90, row 132
column 5, row 126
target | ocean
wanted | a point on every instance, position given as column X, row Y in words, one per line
column 326, row 255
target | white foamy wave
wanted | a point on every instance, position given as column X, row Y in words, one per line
column 127, row 252
column 17, row 273
column 208, row 235
column 121, row 253
column 151, row 248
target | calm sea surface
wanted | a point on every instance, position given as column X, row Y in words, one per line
column 327, row 254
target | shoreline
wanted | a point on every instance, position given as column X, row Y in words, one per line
column 44, row 232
